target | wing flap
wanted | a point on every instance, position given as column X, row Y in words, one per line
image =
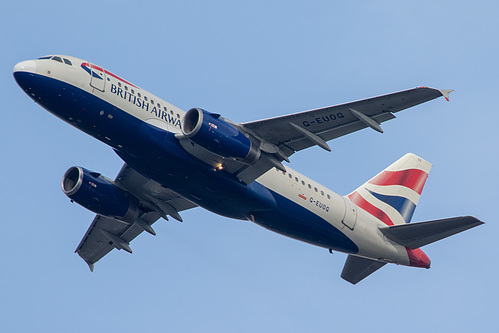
column 357, row 268
column 416, row 235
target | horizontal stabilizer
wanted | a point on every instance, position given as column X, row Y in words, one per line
column 357, row 268
column 415, row 235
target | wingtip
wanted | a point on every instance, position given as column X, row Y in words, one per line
column 91, row 266
column 476, row 221
column 445, row 93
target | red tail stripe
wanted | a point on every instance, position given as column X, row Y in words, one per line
column 357, row 199
column 411, row 178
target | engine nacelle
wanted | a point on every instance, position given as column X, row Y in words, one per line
column 98, row 195
column 213, row 133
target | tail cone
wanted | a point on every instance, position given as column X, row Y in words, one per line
column 417, row 258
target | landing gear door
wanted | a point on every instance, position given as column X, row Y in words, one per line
column 97, row 77
column 350, row 217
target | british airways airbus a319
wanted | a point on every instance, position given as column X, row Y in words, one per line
column 176, row 160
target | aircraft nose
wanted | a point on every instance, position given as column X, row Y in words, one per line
column 25, row 66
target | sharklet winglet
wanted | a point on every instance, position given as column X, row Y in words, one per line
column 90, row 265
column 445, row 93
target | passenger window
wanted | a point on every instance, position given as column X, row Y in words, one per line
column 315, row 188
column 309, row 186
column 302, row 182
column 328, row 196
column 290, row 176
column 322, row 193
column 67, row 62
column 296, row 179
column 57, row 59
column 139, row 95
column 126, row 88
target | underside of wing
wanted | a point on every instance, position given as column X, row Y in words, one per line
column 298, row 131
column 106, row 234
column 154, row 200
column 248, row 150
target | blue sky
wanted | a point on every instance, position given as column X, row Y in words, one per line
column 248, row 61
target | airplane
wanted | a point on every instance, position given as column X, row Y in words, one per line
column 176, row 160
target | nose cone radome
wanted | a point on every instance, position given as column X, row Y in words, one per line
column 418, row 258
column 28, row 66
column 23, row 73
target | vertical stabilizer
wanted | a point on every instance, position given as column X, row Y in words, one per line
column 392, row 195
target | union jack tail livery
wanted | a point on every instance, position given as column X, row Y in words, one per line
column 391, row 198
column 392, row 195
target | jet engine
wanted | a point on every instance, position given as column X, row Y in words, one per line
column 99, row 195
column 212, row 132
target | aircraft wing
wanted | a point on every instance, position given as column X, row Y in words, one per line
column 106, row 234
column 280, row 137
column 297, row 131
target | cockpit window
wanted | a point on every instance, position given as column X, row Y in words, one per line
column 56, row 58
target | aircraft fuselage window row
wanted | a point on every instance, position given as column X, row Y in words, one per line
column 139, row 95
column 68, row 62
column 309, row 186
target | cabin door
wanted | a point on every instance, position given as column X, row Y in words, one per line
column 350, row 217
column 97, row 78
